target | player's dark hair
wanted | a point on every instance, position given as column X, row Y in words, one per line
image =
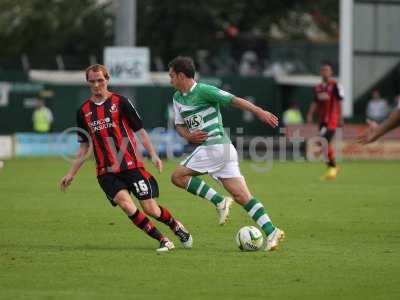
column 97, row 68
column 183, row 64
column 326, row 64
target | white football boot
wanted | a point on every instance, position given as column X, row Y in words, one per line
column 184, row 235
column 223, row 209
column 165, row 246
column 274, row 238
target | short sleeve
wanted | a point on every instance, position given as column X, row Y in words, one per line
column 178, row 117
column 215, row 95
column 83, row 132
column 339, row 91
column 130, row 113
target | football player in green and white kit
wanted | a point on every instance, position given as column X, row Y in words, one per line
column 198, row 120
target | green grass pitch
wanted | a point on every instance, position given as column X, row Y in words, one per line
column 343, row 238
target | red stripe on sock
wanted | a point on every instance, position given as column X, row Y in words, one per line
column 167, row 218
column 165, row 215
column 138, row 218
column 331, row 153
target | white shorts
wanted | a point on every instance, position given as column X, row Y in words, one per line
column 220, row 161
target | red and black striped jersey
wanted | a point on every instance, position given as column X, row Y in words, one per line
column 328, row 97
column 110, row 125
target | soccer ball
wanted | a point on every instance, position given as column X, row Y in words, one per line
column 249, row 238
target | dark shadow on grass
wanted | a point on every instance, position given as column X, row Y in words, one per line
column 70, row 248
column 5, row 247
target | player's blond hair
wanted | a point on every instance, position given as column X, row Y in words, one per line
column 97, row 68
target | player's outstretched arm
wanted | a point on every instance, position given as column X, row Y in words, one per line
column 264, row 116
column 375, row 131
column 147, row 144
column 66, row 181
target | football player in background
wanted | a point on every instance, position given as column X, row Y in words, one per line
column 328, row 96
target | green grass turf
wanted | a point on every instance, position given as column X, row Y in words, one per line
column 342, row 242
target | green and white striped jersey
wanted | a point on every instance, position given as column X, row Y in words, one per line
column 199, row 109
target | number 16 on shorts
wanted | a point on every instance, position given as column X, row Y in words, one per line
column 141, row 188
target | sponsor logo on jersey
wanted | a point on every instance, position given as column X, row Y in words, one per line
column 100, row 124
column 194, row 122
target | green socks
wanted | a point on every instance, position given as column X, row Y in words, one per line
column 254, row 208
column 198, row 187
column 256, row 211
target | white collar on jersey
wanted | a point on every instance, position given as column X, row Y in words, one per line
column 99, row 103
column 191, row 89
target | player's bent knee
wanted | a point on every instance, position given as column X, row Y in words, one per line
column 240, row 197
column 174, row 179
column 125, row 204
column 178, row 180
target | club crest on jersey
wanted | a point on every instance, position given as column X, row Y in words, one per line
column 113, row 108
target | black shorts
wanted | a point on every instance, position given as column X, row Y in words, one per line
column 137, row 181
column 326, row 133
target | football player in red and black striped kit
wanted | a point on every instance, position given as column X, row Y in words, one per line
column 107, row 122
column 327, row 102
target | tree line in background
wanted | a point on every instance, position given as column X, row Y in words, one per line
column 43, row 29
column 79, row 28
